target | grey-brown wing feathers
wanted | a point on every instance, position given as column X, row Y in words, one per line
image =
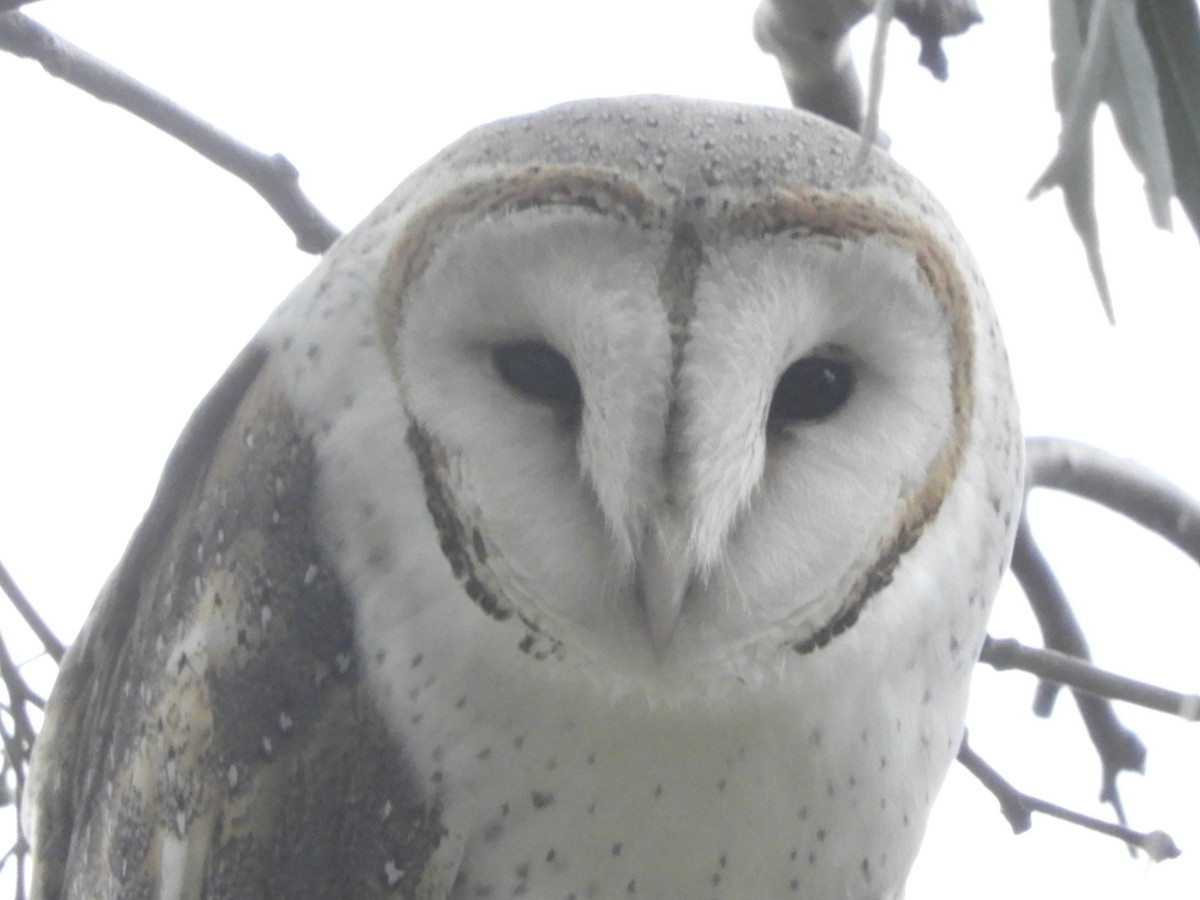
column 209, row 734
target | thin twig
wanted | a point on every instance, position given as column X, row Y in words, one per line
column 18, row 754
column 1007, row 653
column 273, row 177
column 869, row 133
column 53, row 646
column 18, row 695
column 18, row 743
column 1119, row 748
column 1018, row 809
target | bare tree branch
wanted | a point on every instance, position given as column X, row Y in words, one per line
column 1119, row 484
column 1007, row 653
column 1144, row 497
column 1119, row 748
column 18, row 746
column 273, row 177
column 1128, row 490
column 1018, row 809
column 53, row 646
column 1060, row 628
column 16, row 752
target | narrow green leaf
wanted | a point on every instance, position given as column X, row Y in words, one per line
column 1131, row 90
column 1077, row 72
column 1171, row 30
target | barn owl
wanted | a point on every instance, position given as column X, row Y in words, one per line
column 616, row 512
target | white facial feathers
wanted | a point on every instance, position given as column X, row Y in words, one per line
column 587, row 288
column 685, row 507
column 654, row 495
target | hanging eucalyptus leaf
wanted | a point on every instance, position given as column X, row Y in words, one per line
column 1076, row 96
column 1100, row 56
column 1171, row 29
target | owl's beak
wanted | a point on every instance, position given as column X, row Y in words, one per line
column 664, row 576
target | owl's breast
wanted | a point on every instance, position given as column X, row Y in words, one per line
column 794, row 790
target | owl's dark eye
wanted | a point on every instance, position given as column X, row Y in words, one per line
column 811, row 388
column 539, row 372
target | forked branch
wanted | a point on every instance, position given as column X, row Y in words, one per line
column 17, row 732
column 1146, row 498
column 52, row 645
column 273, row 177
column 1018, row 809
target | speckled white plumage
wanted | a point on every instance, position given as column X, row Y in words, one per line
column 726, row 764
column 655, row 645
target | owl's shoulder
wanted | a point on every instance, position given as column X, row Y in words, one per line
column 210, row 734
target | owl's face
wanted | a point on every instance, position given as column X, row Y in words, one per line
column 695, row 408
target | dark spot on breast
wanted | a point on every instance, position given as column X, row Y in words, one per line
column 541, row 799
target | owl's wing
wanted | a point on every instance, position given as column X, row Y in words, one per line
column 210, row 734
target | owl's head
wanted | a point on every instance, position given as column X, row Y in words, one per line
column 685, row 386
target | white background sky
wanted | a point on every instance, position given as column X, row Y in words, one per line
column 132, row 271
